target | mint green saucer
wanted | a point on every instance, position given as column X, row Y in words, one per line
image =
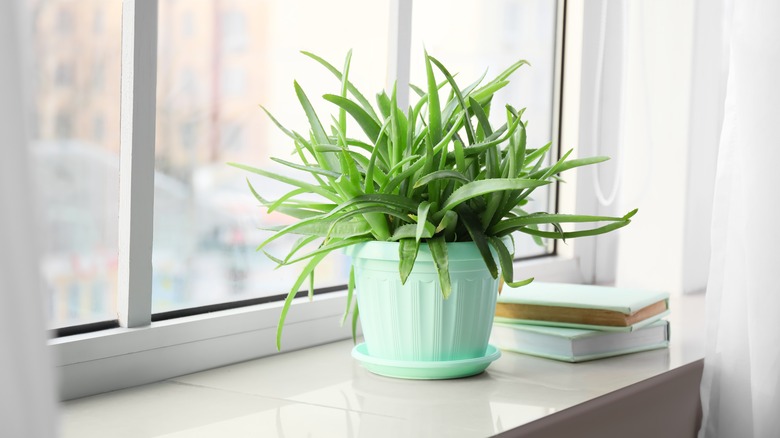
column 450, row 369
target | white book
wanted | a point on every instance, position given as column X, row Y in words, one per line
column 577, row 345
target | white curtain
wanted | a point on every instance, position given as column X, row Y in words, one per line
column 741, row 382
column 27, row 393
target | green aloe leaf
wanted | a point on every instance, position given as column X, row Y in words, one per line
column 299, row 244
column 370, row 126
column 448, row 222
column 333, row 245
column 285, row 198
column 422, row 220
column 504, row 258
column 311, row 285
column 291, row 295
column 498, row 82
column 310, row 169
column 401, row 202
column 377, row 174
column 507, row 225
column 279, row 262
column 461, row 101
column 342, row 124
column 383, row 102
column 400, row 164
column 281, row 127
column 407, row 254
column 291, row 181
column 520, row 283
column 483, row 187
column 474, row 228
column 482, row 118
column 396, row 135
column 574, row 234
column 516, row 198
column 441, row 174
column 571, row 164
column 317, row 130
column 352, row 89
column 434, row 110
column 319, row 228
column 419, row 164
column 350, row 292
column 294, row 208
column 504, row 75
column 453, row 104
column 499, row 136
column 366, row 212
column 417, row 90
column 355, row 319
column 409, row 231
column 438, row 248
column 486, row 92
column 536, row 155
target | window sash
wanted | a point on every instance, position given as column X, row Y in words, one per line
column 136, row 164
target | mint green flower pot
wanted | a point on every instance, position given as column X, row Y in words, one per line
column 413, row 322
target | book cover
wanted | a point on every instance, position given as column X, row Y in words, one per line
column 581, row 306
column 577, row 345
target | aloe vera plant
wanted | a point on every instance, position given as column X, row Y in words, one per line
column 433, row 173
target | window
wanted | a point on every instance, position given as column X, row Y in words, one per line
column 499, row 35
column 206, row 229
column 197, row 225
column 75, row 152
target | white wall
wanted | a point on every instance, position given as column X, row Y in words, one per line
column 655, row 169
column 671, row 126
column 676, row 109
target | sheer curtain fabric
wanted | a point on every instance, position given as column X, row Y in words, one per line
column 741, row 381
column 27, row 393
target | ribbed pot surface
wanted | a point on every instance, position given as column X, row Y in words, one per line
column 413, row 321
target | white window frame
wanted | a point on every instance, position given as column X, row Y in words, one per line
column 141, row 351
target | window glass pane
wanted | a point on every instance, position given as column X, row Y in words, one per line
column 217, row 60
column 496, row 34
column 74, row 52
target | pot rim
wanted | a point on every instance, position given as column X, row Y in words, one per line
column 379, row 250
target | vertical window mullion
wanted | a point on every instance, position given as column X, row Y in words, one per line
column 399, row 53
column 136, row 171
column 560, row 28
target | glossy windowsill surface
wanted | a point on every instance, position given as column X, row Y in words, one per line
column 322, row 391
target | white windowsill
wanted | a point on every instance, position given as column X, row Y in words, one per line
column 321, row 391
column 120, row 358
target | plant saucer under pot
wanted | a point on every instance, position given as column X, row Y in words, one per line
column 410, row 329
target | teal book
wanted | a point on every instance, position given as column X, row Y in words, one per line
column 581, row 306
column 577, row 345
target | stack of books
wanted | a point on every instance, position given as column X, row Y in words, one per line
column 575, row 323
